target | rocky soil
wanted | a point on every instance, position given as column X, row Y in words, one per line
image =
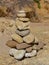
column 41, row 30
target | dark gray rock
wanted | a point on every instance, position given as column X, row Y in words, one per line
column 23, row 32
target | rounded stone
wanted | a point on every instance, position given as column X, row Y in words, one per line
column 23, row 32
column 21, row 14
column 22, row 46
column 12, row 51
column 21, row 11
column 21, row 25
column 29, row 49
column 32, row 54
column 11, row 43
column 29, row 38
column 24, row 19
column 19, row 54
column 17, row 38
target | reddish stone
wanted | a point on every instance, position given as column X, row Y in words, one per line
column 11, row 43
column 29, row 49
column 22, row 46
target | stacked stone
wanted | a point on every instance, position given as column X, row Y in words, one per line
column 23, row 43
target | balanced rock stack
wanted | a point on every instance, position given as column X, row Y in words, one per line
column 23, row 43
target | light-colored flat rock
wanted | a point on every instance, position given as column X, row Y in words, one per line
column 24, row 19
column 21, row 11
column 17, row 38
column 29, row 38
column 21, row 25
column 21, row 15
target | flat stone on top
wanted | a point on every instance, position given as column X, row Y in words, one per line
column 21, row 11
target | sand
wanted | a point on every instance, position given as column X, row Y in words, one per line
column 41, row 30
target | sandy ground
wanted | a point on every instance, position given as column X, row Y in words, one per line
column 41, row 30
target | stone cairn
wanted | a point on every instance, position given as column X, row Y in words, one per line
column 23, row 43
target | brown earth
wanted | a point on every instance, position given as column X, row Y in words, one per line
column 41, row 30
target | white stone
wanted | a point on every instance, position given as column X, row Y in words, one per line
column 33, row 53
column 21, row 14
column 11, row 51
column 21, row 11
column 19, row 54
